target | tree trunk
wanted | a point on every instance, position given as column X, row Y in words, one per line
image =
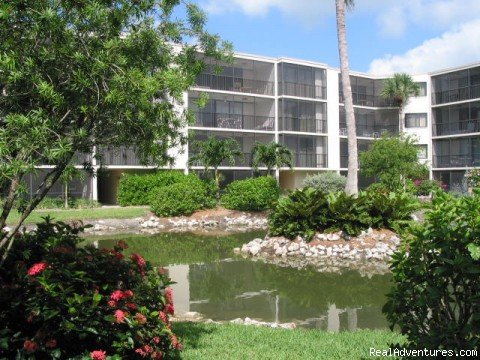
column 66, row 195
column 401, row 121
column 352, row 177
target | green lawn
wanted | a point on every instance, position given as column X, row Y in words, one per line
column 202, row 341
column 82, row 214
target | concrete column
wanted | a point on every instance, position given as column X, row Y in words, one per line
column 333, row 318
column 181, row 290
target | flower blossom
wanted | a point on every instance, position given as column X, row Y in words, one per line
column 37, row 268
column 98, row 355
column 140, row 318
column 169, row 295
column 30, row 346
column 119, row 316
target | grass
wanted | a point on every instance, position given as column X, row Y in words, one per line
column 210, row 341
column 81, row 214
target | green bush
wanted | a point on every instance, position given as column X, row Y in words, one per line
column 426, row 187
column 63, row 301
column 435, row 299
column 254, row 194
column 347, row 213
column 136, row 189
column 326, row 181
column 183, row 198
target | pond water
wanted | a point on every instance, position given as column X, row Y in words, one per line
column 212, row 280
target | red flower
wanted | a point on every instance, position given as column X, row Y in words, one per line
column 169, row 295
column 128, row 293
column 141, row 352
column 52, row 343
column 30, row 346
column 139, row 260
column 169, row 309
column 122, row 245
column 98, row 355
column 148, row 349
column 157, row 355
column 140, row 318
column 162, row 271
column 163, row 317
column 112, row 303
column 156, row 340
column 117, row 295
column 118, row 255
column 119, row 316
column 175, row 343
column 131, row 306
column 37, row 268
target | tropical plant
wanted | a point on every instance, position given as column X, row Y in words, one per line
column 82, row 75
column 434, row 300
column 326, row 181
column 254, row 194
column 400, row 88
column 272, row 155
column 211, row 153
column 352, row 176
column 348, row 213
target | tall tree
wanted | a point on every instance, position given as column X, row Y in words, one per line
column 79, row 75
column 272, row 155
column 211, row 153
column 352, row 177
column 400, row 88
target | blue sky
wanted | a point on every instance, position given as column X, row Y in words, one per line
column 384, row 36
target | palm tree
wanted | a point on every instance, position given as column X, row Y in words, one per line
column 352, row 177
column 211, row 153
column 400, row 88
column 272, row 155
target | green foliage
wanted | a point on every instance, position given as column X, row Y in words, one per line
column 347, row 213
column 435, row 299
column 393, row 160
column 326, row 181
column 426, row 187
column 183, row 198
column 254, row 194
column 63, row 301
column 473, row 178
column 400, row 88
column 136, row 189
column 271, row 155
column 49, row 202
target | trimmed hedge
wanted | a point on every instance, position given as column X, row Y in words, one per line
column 254, row 194
column 327, row 181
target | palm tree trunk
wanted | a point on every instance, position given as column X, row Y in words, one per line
column 401, row 120
column 352, row 177
column 66, row 196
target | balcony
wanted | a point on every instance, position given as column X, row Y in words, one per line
column 237, row 84
column 303, row 124
column 459, row 94
column 234, row 121
column 310, row 160
column 369, row 100
column 459, row 127
column 304, row 90
column 121, row 156
column 240, row 161
column 447, row 161
column 371, row 131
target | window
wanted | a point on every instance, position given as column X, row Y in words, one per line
column 422, row 152
column 423, row 88
column 415, row 120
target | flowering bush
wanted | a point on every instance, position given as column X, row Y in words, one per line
column 59, row 300
column 426, row 187
column 473, row 178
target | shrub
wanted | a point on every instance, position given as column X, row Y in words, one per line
column 254, row 194
column 435, row 299
column 50, row 202
column 426, row 187
column 136, row 189
column 326, row 182
column 347, row 213
column 183, row 198
column 62, row 301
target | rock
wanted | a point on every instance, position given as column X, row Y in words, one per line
column 255, row 249
column 333, row 237
column 288, row 326
column 236, row 250
column 192, row 314
column 237, row 321
column 293, row 247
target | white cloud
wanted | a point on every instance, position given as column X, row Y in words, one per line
column 453, row 48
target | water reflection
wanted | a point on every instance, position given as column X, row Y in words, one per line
column 211, row 281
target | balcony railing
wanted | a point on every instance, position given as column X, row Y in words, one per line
column 119, row 156
column 240, row 161
column 369, row 100
column 371, row 131
column 230, row 83
column 446, row 161
column 464, row 93
column 304, row 90
column 458, row 127
column 309, row 125
column 235, row 121
column 310, row 160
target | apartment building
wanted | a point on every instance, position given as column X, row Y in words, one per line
column 299, row 103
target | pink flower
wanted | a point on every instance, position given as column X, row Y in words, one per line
column 131, row 306
column 163, row 317
column 37, row 268
column 162, row 271
column 117, row 295
column 175, row 343
column 128, row 293
column 141, row 352
column 98, row 355
column 140, row 318
column 30, row 346
column 52, row 343
column 112, row 303
column 169, row 309
column 119, row 316
column 157, row 355
column 139, row 260
column 156, row 340
column 169, row 295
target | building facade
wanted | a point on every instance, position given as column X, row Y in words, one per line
column 299, row 103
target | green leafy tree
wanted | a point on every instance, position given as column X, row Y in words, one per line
column 79, row 75
column 272, row 155
column 400, row 88
column 392, row 160
column 211, row 153
column 352, row 176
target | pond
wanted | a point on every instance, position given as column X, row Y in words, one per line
column 212, row 280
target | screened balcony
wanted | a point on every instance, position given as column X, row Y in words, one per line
column 302, row 116
column 456, row 86
column 234, row 112
column 302, row 81
column 371, row 123
column 463, row 152
column 362, row 145
column 121, row 156
column 456, row 119
column 308, row 151
column 366, row 92
column 246, row 76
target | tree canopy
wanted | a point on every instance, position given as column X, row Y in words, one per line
column 82, row 75
column 271, row 155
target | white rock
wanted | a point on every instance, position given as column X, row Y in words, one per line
column 236, row 321
column 254, row 249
